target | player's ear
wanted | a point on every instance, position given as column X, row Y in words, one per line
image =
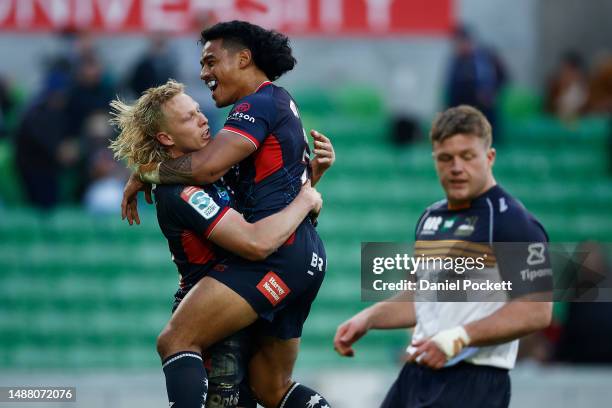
column 244, row 58
column 491, row 154
column 165, row 139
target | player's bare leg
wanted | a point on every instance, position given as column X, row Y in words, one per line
column 210, row 312
column 270, row 371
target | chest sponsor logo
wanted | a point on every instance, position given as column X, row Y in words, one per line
column 200, row 201
column 467, row 228
column 273, row 288
column 431, row 225
column 240, row 116
column 448, row 224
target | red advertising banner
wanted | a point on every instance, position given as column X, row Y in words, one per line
column 328, row 17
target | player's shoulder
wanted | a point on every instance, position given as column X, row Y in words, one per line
column 433, row 208
column 255, row 105
column 440, row 205
column 263, row 96
column 169, row 193
column 512, row 222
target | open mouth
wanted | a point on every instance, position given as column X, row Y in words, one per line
column 206, row 134
column 212, row 84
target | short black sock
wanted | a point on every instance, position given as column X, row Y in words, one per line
column 186, row 380
column 300, row 396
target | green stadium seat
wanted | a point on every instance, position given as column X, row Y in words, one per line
column 519, row 103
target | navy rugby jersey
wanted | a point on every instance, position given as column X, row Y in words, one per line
column 483, row 228
column 187, row 216
column 271, row 177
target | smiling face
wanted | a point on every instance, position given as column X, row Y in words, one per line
column 464, row 164
column 222, row 70
column 186, row 129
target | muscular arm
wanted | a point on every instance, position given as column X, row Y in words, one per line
column 515, row 319
column 398, row 313
column 205, row 166
column 258, row 240
column 395, row 314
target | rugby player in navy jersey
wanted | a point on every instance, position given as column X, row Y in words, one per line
column 477, row 217
column 197, row 220
column 264, row 136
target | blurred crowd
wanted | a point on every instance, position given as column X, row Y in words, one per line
column 574, row 90
column 60, row 134
column 476, row 75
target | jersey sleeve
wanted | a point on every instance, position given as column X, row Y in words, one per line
column 196, row 209
column 252, row 118
column 522, row 253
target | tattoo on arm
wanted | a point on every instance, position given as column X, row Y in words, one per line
column 176, row 171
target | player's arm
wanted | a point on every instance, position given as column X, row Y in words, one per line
column 238, row 139
column 396, row 313
column 258, row 240
column 516, row 319
column 205, row 166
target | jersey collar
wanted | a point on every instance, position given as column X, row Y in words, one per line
column 263, row 84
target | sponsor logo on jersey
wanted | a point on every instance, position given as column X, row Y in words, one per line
column 448, row 224
column 273, row 288
column 239, row 117
column 220, row 267
column 467, row 228
column 536, row 254
column 243, row 107
column 223, row 194
column 431, row 225
column 200, row 201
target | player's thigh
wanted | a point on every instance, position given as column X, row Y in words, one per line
column 271, row 367
column 210, row 312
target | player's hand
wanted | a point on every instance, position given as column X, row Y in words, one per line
column 348, row 333
column 129, row 204
column 427, row 353
column 325, row 156
column 312, row 196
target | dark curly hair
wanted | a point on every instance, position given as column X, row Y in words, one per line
column 270, row 49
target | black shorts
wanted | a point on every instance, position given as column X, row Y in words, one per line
column 462, row 385
column 281, row 288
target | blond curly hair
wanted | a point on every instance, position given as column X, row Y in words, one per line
column 140, row 122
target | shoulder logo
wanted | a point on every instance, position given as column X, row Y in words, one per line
column 200, row 201
column 502, row 205
column 536, row 254
column 293, row 108
column 243, row 107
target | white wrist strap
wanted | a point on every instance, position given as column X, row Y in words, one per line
column 451, row 341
